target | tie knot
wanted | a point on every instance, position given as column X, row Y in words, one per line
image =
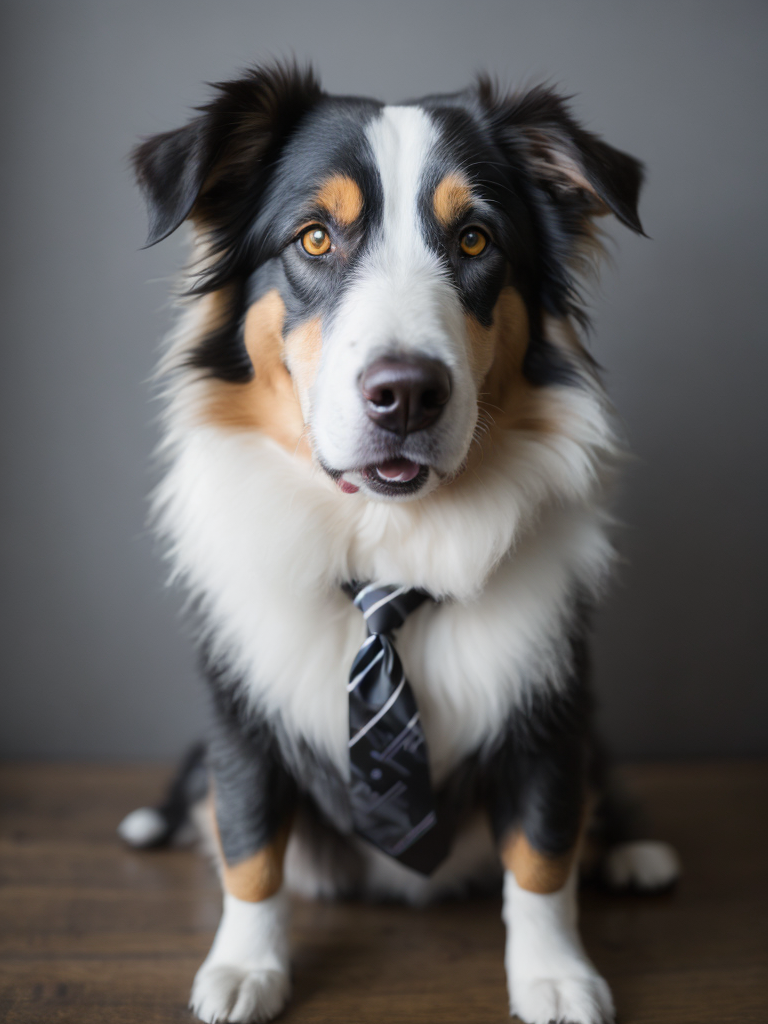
column 385, row 608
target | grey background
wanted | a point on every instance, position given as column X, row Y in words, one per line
column 94, row 660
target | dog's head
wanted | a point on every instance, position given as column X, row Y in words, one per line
column 376, row 279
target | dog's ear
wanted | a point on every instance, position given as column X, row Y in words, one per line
column 230, row 140
column 571, row 164
column 170, row 169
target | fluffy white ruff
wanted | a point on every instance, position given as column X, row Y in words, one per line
column 245, row 976
column 263, row 544
column 142, row 827
column 550, row 977
column 644, row 865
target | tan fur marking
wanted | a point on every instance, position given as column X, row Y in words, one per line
column 452, row 197
column 507, row 399
column 302, row 351
column 496, row 355
column 342, row 198
column 260, row 876
column 268, row 402
column 535, row 871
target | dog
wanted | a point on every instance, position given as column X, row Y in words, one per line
column 376, row 391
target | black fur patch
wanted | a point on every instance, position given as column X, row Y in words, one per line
column 537, row 777
column 284, row 769
column 254, row 794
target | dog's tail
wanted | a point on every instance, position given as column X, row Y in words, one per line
column 150, row 827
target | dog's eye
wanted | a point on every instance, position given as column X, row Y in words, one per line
column 316, row 241
column 472, row 242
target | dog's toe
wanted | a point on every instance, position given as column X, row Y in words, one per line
column 564, row 1001
column 227, row 993
column 262, row 996
column 214, row 992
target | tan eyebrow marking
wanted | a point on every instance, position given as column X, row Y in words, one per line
column 342, row 198
column 452, row 197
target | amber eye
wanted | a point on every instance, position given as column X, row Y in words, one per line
column 473, row 242
column 316, row 241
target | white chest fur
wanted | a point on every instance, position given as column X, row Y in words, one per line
column 263, row 542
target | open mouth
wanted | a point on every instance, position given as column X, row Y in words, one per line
column 395, row 477
column 392, row 478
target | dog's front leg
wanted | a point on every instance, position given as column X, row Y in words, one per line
column 539, row 813
column 245, row 976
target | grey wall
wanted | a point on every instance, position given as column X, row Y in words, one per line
column 94, row 662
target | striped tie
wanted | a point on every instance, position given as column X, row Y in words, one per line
column 393, row 805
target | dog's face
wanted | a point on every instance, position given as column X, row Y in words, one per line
column 377, row 276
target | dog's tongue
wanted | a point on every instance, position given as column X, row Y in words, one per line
column 398, row 470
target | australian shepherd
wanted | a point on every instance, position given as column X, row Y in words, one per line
column 377, row 380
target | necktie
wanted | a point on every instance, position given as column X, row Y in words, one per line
column 393, row 805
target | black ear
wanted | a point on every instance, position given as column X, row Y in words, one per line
column 170, row 169
column 568, row 161
column 229, row 140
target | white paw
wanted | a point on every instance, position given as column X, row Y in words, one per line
column 549, row 975
column 644, row 865
column 224, row 992
column 245, row 975
column 575, row 1000
column 142, row 827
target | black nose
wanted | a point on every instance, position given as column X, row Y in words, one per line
column 403, row 394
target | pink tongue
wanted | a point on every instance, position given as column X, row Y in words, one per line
column 398, row 470
column 346, row 486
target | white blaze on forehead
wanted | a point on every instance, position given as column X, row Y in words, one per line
column 399, row 300
column 402, row 284
column 401, row 141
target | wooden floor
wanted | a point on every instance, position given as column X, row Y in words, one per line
column 93, row 932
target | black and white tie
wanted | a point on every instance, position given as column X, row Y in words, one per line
column 393, row 805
